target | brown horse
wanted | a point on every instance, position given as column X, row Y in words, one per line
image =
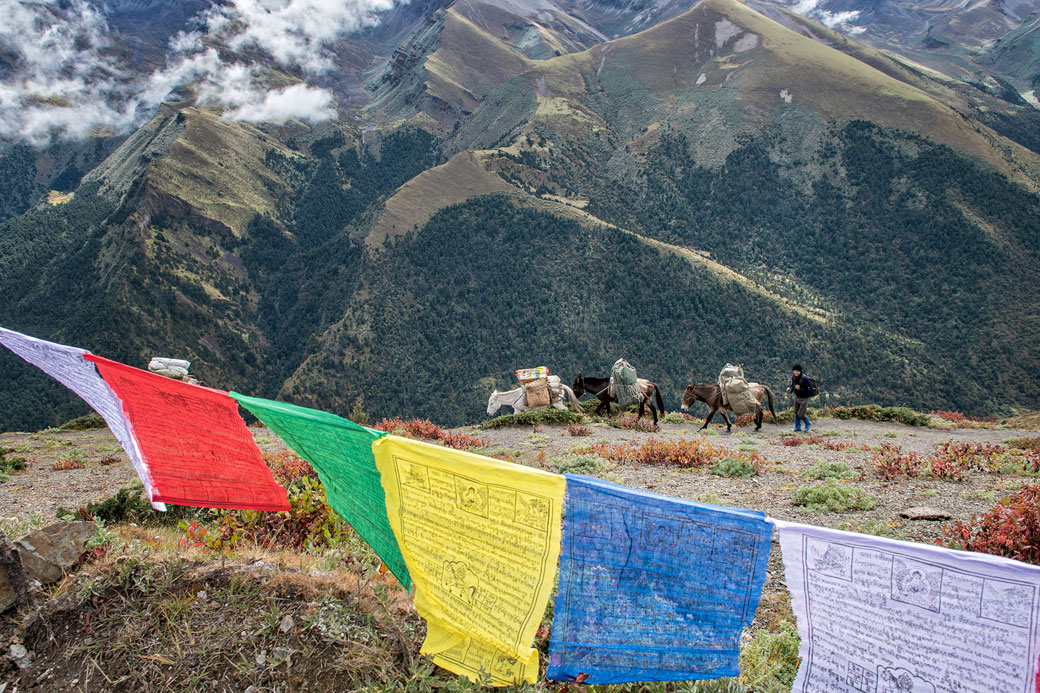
column 712, row 396
column 600, row 389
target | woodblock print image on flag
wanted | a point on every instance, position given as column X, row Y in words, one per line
column 653, row 588
column 193, row 440
column 340, row 451
column 68, row 366
column 480, row 538
column 877, row 614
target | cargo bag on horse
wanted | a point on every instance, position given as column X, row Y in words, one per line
column 736, row 391
column 624, row 383
column 536, row 386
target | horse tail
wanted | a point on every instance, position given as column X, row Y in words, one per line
column 772, row 409
column 660, row 402
column 572, row 401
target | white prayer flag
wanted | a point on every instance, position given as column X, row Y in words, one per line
column 67, row 365
column 889, row 616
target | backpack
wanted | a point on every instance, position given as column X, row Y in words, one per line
column 814, row 389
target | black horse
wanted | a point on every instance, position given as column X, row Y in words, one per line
column 600, row 389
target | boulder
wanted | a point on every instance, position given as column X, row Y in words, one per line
column 8, row 596
column 923, row 512
column 49, row 553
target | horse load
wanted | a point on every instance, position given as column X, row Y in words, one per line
column 736, row 390
column 537, row 389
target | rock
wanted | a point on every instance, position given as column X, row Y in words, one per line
column 49, row 553
column 923, row 512
column 261, row 659
column 281, row 653
column 287, row 624
column 20, row 656
column 8, row 596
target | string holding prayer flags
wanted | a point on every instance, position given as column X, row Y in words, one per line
column 480, row 538
column 653, row 588
column 197, row 447
column 341, row 453
column 67, row 365
column 876, row 614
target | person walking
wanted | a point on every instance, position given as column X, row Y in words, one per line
column 802, row 389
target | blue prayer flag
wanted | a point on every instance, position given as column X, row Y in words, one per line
column 653, row 588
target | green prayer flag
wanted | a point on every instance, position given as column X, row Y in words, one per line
column 341, row 453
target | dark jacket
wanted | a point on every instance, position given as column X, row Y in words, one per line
column 806, row 386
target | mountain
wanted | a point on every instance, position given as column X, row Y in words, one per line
column 504, row 186
column 986, row 41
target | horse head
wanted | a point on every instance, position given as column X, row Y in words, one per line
column 579, row 386
column 493, row 405
column 689, row 397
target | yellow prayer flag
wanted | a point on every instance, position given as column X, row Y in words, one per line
column 481, row 538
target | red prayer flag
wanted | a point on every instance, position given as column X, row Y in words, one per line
column 195, row 443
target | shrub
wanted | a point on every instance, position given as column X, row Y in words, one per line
column 1026, row 443
column 87, row 422
column 127, row 505
column 682, row 453
column 581, row 464
column 577, row 431
column 678, row 417
column 829, row 470
column 890, row 462
column 745, row 419
column 309, row 525
column 797, row 441
column 108, row 460
column 287, row 467
column 873, row 412
column 9, row 465
column 634, row 423
column 838, row 445
column 547, row 416
column 954, row 416
column 831, row 497
column 729, row 467
column 770, row 661
column 424, row 429
column 73, row 460
column 1011, row 528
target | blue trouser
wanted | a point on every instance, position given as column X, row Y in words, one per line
column 801, row 413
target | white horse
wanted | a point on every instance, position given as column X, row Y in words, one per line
column 515, row 399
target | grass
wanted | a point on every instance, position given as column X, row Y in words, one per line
column 729, row 467
column 770, row 661
column 548, row 417
column 875, row 528
column 87, row 422
column 581, row 464
column 830, row 470
column 831, row 497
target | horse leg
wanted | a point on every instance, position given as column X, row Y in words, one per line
column 729, row 424
column 603, row 403
column 653, row 410
column 642, row 408
column 758, row 418
column 711, row 415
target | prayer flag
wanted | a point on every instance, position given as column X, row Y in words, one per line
column 480, row 538
column 196, row 445
column 67, row 365
column 341, row 453
column 653, row 588
column 876, row 614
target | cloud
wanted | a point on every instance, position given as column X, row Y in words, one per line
column 300, row 101
column 66, row 82
column 841, row 21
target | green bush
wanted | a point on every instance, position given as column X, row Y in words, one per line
column 727, row 466
column 87, row 422
column 831, row 497
column 873, row 412
column 547, row 416
column 768, row 664
column 829, row 470
column 581, row 464
column 129, row 505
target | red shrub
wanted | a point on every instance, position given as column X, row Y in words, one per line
column 68, row 463
column 424, row 429
column 1011, row 528
column 576, row 430
column 890, row 462
column 795, row 441
column 838, row 445
column 695, row 452
column 954, row 416
column 745, row 419
column 633, row 423
column 288, row 468
column 967, row 457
